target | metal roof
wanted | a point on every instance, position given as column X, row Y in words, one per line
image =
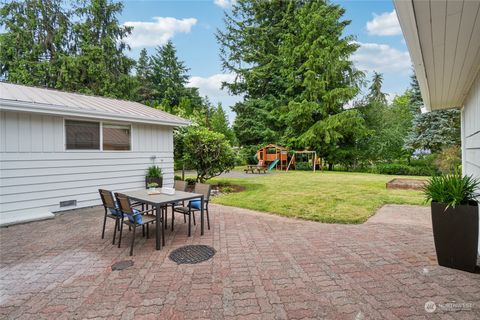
column 22, row 98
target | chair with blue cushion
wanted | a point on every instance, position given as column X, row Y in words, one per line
column 133, row 217
column 111, row 211
column 195, row 205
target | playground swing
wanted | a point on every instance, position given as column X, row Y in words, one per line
column 311, row 155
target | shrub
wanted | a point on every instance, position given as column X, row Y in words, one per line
column 154, row 172
column 403, row 169
column 208, row 152
column 451, row 189
column 449, row 159
column 177, row 178
column 393, row 168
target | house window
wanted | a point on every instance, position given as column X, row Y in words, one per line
column 82, row 135
column 116, row 137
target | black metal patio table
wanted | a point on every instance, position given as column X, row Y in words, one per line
column 162, row 199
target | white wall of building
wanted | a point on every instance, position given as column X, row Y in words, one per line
column 36, row 172
column 471, row 130
column 471, row 134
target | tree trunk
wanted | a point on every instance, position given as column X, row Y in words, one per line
column 330, row 166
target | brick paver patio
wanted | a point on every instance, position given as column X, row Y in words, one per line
column 266, row 267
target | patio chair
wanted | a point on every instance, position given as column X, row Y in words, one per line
column 111, row 211
column 179, row 185
column 194, row 206
column 134, row 218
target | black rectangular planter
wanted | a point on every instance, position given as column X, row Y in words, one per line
column 455, row 231
column 149, row 180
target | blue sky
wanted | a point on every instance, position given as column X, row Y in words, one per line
column 191, row 25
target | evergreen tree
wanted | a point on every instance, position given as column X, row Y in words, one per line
column 169, row 77
column 416, row 101
column 143, row 76
column 75, row 47
column 249, row 47
column 293, row 66
column 253, row 123
column 375, row 94
column 374, row 110
column 36, row 37
column 100, row 65
column 143, row 67
column 219, row 123
column 435, row 130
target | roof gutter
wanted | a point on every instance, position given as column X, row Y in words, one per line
column 41, row 108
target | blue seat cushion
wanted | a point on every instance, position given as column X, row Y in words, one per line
column 115, row 212
column 196, row 204
column 136, row 217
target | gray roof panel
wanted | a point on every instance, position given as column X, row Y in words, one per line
column 34, row 98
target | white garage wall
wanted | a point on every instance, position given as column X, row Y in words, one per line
column 36, row 173
column 471, row 134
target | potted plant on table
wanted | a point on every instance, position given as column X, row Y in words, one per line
column 154, row 175
column 454, row 220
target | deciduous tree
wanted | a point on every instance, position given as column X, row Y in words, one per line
column 208, row 152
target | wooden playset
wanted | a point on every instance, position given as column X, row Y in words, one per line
column 274, row 156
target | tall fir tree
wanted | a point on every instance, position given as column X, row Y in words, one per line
column 100, row 65
column 169, row 77
column 36, row 39
column 143, row 72
column 293, row 67
column 375, row 94
column 249, row 48
column 416, row 101
column 219, row 123
column 77, row 46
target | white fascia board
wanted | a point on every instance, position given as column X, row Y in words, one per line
column 21, row 106
column 406, row 16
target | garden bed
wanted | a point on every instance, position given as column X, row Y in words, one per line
column 406, row 184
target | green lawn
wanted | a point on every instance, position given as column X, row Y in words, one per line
column 337, row 197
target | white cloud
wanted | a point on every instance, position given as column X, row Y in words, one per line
column 381, row 58
column 385, row 24
column 211, row 87
column 224, row 3
column 148, row 34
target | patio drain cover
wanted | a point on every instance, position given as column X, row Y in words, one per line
column 192, row 254
column 122, row 265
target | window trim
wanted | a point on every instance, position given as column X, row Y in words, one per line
column 100, row 122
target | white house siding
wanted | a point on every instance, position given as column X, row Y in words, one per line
column 36, row 172
column 471, row 133
column 471, row 130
